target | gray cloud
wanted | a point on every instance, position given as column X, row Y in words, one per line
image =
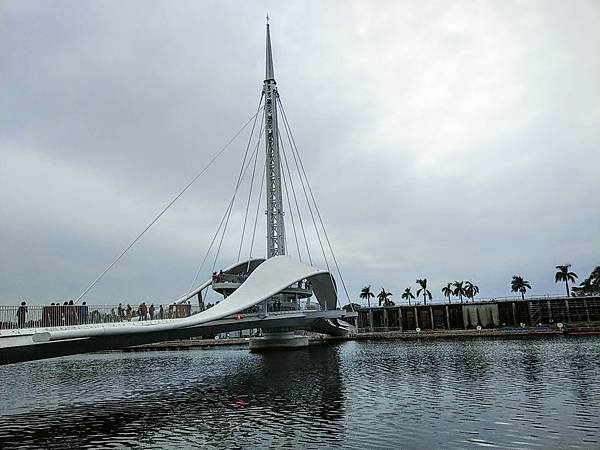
column 450, row 141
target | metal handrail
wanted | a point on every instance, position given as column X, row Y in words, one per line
column 45, row 316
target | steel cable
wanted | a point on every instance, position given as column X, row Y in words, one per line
column 287, row 127
column 166, row 208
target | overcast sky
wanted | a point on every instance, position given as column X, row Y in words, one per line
column 447, row 140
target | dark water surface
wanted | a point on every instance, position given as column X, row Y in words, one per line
column 532, row 394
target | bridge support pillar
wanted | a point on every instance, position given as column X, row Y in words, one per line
column 400, row 319
column 271, row 340
column 431, row 317
column 416, row 317
column 587, row 311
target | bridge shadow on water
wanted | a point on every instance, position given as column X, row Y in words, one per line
column 225, row 397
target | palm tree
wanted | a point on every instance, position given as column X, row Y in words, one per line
column 447, row 291
column 518, row 284
column 424, row 290
column 459, row 290
column 367, row 294
column 584, row 288
column 589, row 286
column 563, row 274
column 383, row 297
column 407, row 295
column 471, row 290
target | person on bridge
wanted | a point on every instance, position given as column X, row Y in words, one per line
column 22, row 314
column 72, row 314
column 55, row 315
column 120, row 312
column 143, row 311
column 161, row 312
column 83, row 313
column 151, row 311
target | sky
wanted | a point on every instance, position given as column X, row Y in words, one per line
column 446, row 140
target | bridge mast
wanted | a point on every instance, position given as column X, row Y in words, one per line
column 275, row 225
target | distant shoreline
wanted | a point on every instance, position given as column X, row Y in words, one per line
column 190, row 344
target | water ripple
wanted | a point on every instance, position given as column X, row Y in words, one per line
column 511, row 393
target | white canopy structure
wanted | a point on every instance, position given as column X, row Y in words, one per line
column 246, row 266
column 268, row 279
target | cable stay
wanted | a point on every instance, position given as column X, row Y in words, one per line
column 227, row 214
column 295, row 148
column 260, row 192
column 222, row 226
column 279, row 182
column 309, row 207
column 237, row 185
column 168, row 206
column 250, row 190
column 290, row 209
column 289, row 188
column 308, row 201
column 287, row 168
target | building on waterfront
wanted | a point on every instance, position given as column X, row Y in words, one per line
column 485, row 314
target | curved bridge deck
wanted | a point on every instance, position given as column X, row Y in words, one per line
column 267, row 280
column 23, row 345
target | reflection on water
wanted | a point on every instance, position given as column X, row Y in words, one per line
column 451, row 394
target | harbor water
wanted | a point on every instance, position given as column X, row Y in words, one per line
column 472, row 393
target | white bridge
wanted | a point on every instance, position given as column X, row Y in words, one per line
column 267, row 280
column 280, row 278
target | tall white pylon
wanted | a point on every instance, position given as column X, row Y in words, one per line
column 275, row 224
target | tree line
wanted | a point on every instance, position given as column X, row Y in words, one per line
column 468, row 290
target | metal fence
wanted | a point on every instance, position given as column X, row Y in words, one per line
column 38, row 316
column 41, row 316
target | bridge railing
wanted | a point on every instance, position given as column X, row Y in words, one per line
column 41, row 316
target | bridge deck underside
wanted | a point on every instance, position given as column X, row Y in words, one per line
column 318, row 321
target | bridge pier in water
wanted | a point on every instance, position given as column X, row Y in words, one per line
column 277, row 338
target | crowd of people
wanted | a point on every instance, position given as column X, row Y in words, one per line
column 143, row 312
column 69, row 313
column 62, row 314
column 222, row 277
